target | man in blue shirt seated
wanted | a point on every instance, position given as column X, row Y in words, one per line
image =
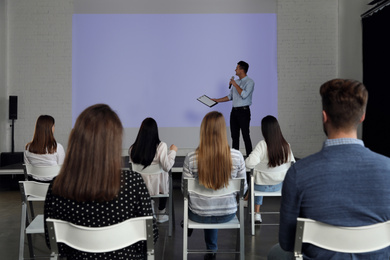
column 345, row 184
column 241, row 91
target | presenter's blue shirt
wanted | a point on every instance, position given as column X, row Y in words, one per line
column 245, row 99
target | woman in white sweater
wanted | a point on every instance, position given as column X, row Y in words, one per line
column 44, row 150
column 147, row 150
column 270, row 160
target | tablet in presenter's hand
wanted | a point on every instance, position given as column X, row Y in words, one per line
column 207, row 101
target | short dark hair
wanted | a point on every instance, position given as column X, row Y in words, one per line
column 344, row 101
column 243, row 65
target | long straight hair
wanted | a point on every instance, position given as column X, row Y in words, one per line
column 92, row 165
column 277, row 147
column 144, row 148
column 213, row 153
column 43, row 140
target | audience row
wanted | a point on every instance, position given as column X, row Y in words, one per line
column 92, row 190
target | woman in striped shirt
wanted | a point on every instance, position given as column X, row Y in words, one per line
column 213, row 163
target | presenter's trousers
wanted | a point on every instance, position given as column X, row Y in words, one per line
column 240, row 118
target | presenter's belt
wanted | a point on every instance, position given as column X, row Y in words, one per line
column 241, row 108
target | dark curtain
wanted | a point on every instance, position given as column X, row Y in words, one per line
column 376, row 78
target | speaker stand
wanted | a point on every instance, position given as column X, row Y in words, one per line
column 13, row 136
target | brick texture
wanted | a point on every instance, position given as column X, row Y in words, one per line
column 39, row 66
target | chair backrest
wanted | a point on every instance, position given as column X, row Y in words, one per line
column 42, row 171
column 270, row 175
column 33, row 191
column 101, row 239
column 263, row 167
column 342, row 239
column 192, row 185
column 151, row 169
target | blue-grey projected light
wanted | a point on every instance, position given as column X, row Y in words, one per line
column 157, row 65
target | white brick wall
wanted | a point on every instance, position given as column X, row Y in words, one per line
column 307, row 57
column 3, row 90
column 39, row 66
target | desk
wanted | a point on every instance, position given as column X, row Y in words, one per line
column 12, row 169
column 177, row 167
column 19, row 168
column 179, row 162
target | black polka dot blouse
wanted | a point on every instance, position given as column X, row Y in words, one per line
column 132, row 201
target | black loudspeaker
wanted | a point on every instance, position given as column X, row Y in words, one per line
column 13, row 107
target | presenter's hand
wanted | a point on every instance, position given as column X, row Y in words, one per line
column 232, row 82
column 214, row 99
column 173, row 147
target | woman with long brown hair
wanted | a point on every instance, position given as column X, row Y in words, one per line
column 91, row 190
column 213, row 163
column 272, row 152
column 43, row 150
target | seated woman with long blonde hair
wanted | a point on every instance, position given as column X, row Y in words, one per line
column 213, row 163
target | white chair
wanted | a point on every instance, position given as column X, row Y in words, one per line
column 278, row 171
column 361, row 239
column 155, row 169
column 235, row 185
column 31, row 191
column 101, row 239
column 37, row 172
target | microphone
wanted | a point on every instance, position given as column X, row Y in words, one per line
column 230, row 85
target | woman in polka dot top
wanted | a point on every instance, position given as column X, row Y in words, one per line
column 91, row 190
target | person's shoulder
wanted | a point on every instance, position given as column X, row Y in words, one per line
column 249, row 79
column 192, row 153
column 376, row 156
column 162, row 145
column 262, row 143
column 310, row 161
column 131, row 176
column 236, row 154
column 191, row 156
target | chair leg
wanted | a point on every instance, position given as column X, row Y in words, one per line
column 170, row 200
column 185, row 230
column 242, row 232
column 32, row 211
column 173, row 215
column 238, row 244
column 171, row 218
column 252, row 206
column 53, row 256
column 30, row 246
column 22, row 231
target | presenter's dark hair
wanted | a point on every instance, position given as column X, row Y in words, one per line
column 92, row 165
column 344, row 101
column 243, row 65
column 144, row 148
column 43, row 140
column 277, row 147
